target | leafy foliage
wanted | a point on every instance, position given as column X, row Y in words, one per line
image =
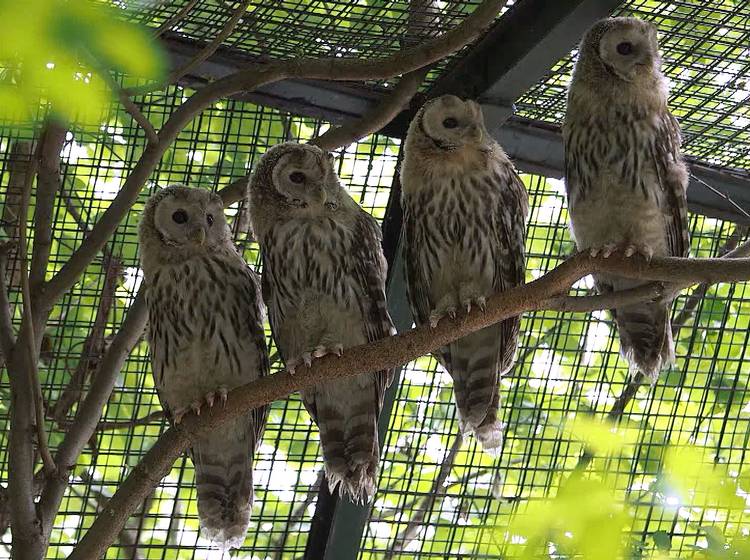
column 54, row 51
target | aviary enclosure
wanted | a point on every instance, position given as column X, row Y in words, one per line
column 596, row 463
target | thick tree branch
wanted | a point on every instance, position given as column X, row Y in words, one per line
column 7, row 337
column 543, row 293
column 48, row 185
column 247, row 80
column 28, row 540
column 87, row 418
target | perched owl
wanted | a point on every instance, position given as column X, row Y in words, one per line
column 464, row 217
column 324, row 285
column 206, row 338
column 624, row 174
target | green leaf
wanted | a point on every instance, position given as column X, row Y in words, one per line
column 662, row 540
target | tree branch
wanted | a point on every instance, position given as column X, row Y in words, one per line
column 86, row 421
column 28, row 541
column 48, row 184
column 374, row 119
column 204, row 54
column 175, row 19
column 426, row 504
column 7, row 337
column 543, row 293
column 93, row 346
column 338, row 69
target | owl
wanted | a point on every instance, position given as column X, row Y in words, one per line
column 464, row 218
column 625, row 178
column 206, row 338
column 324, row 284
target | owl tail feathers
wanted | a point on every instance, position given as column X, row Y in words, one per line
column 350, row 451
column 224, row 481
column 646, row 337
column 474, row 369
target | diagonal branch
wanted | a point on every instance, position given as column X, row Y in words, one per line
column 93, row 346
column 175, row 19
column 416, row 521
column 374, row 119
column 203, row 55
column 339, row 69
column 85, row 424
column 543, row 293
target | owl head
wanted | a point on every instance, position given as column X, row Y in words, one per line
column 626, row 48
column 298, row 176
column 180, row 220
column 449, row 123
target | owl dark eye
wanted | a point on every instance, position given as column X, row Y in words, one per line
column 210, row 219
column 180, row 217
column 297, row 177
column 450, row 122
column 625, row 48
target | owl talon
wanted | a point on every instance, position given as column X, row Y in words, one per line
column 195, row 406
column 179, row 414
column 338, row 349
column 481, row 303
column 639, row 249
column 291, row 366
column 307, row 358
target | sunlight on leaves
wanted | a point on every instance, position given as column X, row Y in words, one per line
column 52, row 51
column 584, row 518
column 603, row 438
column 698, row 481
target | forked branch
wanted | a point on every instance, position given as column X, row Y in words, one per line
column 337, row 69
column 547, row 292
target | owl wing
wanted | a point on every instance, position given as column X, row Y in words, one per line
column 418, row 256
column 370, row 270
column 672, row 176
column 252, row 311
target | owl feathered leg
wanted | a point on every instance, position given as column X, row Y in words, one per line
column 224, row 481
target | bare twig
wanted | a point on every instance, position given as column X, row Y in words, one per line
column 93, row 346
column 247, row 80
column 543, row 293
column 87, row 418
column 109, row 425
column 374, row 119
column 175, row 19
column 426, row 504
column 206, row 52
column 687, row 311
column 296, row 515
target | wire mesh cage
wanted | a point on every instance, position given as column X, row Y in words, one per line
column 439, row 495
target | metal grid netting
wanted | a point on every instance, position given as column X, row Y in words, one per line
column 221, row 145
column 706, row 56
column 297, row 28
column 440, row 496
column 436, row 496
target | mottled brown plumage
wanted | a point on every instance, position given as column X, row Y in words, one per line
column 206, row 338
column 464, row 218
column 324, row 283
column 625, row 176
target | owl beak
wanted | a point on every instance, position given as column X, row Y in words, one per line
column 198, row 235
